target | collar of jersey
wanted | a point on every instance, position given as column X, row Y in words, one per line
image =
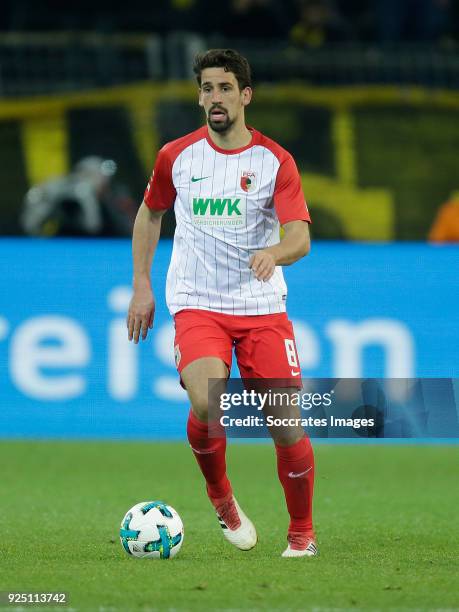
column 233, row 151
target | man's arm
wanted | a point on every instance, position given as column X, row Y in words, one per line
column 147, row 228
column 294, row 245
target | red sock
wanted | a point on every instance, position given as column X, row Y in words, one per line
column 295, row 466
column 210, row 455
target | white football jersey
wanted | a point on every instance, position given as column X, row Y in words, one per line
column 228, row 204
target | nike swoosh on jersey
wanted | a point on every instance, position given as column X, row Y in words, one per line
column 293, row 373
column 195, row 179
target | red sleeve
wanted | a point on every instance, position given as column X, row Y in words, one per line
column 160, row 193
column 289, row 201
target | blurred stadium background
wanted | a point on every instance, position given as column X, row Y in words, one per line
column 365, row 95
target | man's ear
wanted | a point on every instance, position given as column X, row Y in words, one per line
column 200, row 102
column 246, row 96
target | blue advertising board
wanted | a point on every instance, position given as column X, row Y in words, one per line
column 67, row 369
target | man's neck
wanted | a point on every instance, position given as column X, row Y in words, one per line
column 236, row 138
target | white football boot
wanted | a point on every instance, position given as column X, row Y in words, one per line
column 300, row 545
column 237, row 528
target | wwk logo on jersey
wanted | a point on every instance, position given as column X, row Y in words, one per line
column 219, row 211
column 248, row 181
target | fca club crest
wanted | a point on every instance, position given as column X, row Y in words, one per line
column 248, row 181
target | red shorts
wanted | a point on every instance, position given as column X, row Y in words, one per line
column 264, row 344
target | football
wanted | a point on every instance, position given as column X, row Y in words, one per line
column 152, row 530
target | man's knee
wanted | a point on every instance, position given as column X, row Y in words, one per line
column 200, row 406
column 196, row 377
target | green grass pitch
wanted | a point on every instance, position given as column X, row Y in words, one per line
column 386, row 519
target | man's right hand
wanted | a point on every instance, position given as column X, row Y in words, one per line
column 141, row 313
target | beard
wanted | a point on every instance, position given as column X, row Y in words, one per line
column 220, row 126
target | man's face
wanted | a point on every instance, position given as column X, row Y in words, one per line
column 221, row 98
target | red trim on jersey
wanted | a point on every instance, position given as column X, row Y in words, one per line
column 289, row 201
column 255, row 140
column 160, row 193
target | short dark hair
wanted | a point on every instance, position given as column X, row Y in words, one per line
column 229, row 59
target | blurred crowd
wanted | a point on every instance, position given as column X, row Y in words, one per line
column 91, row 200
column 86, row 202
column 300, row 22
column 445, row 227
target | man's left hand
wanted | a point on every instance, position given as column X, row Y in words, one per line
column 263, row 264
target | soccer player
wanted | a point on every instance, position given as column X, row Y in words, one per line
column 231, row 188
